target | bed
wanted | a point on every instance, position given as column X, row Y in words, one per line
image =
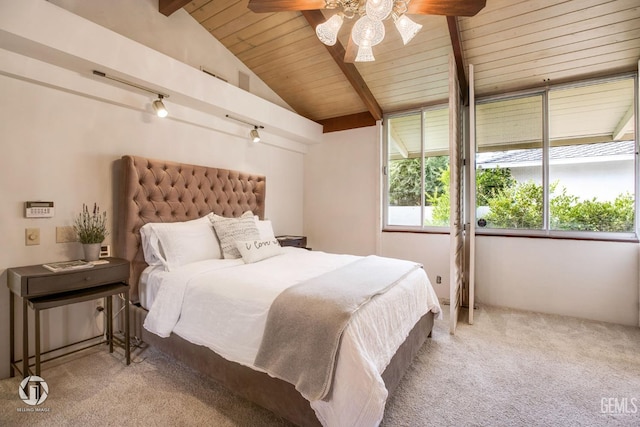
column 155, row 191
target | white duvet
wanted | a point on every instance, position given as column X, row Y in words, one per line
column 223, row 305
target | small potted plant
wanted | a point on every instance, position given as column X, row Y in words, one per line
column 91, row 228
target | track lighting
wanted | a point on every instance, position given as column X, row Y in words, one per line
column 255, row 136
column 159, row 107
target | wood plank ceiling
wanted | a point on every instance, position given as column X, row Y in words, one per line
column 513, row 44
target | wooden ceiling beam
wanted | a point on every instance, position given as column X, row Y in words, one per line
column 262, row 6
column 456, row 44
column 314, row 18
column 167, row 7
column 351, row 121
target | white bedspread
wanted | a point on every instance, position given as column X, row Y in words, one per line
column 223, row 305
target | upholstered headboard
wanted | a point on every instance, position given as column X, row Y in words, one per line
column 162, row 191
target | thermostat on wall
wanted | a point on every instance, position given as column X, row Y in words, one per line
column 38, row 209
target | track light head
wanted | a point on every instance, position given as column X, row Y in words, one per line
column 159, row 107
column 255, row 136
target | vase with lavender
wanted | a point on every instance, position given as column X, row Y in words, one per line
column 91, row 228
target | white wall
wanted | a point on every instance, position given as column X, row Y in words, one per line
column 341, row 195
column 178, row 36
column 592, row 280
column 431, row 250
column 587, row 279
column 62, row 134
column 603, row 180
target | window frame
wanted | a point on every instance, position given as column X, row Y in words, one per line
column 444, row 229
column 546, row 231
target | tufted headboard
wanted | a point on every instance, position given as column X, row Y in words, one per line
column 162, row 191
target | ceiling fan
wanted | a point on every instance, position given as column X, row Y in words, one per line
column 369, row 30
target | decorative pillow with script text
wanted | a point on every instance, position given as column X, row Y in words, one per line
column 257, row 250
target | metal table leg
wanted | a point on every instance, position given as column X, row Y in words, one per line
column 109, row 314
column 37, row 325
column 12, row 334
column 25, row 339
column 127, row 349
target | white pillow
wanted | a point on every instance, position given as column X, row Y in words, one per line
column 257, row 250
column 150, row 245
column 264, row 228
column 231, row 230
column 179, row 243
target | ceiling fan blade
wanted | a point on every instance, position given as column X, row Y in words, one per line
column 350, row 52
column 446, row 7
column 262, row 6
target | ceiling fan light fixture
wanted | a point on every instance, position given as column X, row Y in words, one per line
column 369, row 28
column 327, row 32
column 379, row 9
column 367, row 31
column 159, row 108
column 365, row 54
column 407, row 28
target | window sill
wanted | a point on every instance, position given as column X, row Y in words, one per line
column 426, row 230
column 562, row 235
column 529, row 234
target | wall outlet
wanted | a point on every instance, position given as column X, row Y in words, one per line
column 100, row 305
column 438, row 279
column 66, row 234
column 105, row 251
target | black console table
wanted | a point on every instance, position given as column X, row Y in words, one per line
column 42, row 289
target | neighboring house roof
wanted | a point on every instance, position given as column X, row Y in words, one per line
column 598, row 151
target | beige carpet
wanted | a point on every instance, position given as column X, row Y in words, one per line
column 511, row 368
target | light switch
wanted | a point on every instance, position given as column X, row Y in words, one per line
column 31, row 236
column 66, row 234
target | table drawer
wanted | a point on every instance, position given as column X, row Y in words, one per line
column 63, row 282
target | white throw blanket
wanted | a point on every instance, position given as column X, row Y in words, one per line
column 235, row 297
column 306, row 321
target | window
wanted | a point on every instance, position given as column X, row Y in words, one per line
column 417, row 158
column 591, row 166
column 555, row 162
column 509, row 138
column 560, row 161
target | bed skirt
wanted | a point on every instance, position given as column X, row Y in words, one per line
column 276, row 395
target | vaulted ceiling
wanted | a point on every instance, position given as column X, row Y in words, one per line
column 513, row 45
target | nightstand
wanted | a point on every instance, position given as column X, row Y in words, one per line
column 295, row 241
column 42, row 289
